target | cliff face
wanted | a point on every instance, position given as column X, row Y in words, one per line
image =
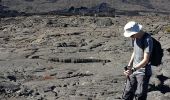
column 20, row 7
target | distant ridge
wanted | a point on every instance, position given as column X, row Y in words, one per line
column 83, row 7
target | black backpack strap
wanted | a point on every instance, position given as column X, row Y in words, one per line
column 143, row 40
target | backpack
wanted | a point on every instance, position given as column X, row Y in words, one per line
column 157, row 52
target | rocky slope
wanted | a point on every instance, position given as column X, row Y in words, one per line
column 74, row 58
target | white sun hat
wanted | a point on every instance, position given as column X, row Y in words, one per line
column 131, row 28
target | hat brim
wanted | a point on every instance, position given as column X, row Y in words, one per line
column 130, row 33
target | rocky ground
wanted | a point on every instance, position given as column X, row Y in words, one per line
column 74, row 58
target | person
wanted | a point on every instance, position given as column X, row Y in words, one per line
column 139, row 67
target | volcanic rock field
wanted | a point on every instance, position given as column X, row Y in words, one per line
column 50, row 57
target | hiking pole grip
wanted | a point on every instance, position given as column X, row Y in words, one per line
column 126, row 68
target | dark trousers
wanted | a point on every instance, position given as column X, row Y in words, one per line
column 136, row 87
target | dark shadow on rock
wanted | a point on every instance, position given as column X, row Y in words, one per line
column 75, row 60
column 49, row 1
column 168, row 50
column 162, row 88
column 29, row 0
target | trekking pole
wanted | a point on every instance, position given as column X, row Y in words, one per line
column 128, row 78
column 124, row 90
column 125, row 68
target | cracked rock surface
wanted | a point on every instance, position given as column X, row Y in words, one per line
column 74, row 58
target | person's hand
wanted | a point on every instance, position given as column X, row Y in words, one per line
column 127, row 72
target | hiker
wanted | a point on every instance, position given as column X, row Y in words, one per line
column 138, row 70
